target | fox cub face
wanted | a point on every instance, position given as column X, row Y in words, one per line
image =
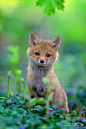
column 42, row 53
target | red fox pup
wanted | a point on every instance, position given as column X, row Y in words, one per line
column 42, row 56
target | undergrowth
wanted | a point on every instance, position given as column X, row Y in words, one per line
column 18, row 112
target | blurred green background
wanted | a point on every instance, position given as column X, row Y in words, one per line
column 20, row 18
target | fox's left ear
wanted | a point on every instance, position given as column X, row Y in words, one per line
column 55, row 42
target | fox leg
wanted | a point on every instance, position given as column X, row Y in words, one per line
column 32, row 93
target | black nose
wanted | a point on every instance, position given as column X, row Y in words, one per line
column 41, row 61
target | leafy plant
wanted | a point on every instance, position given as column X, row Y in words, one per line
column 47, row 92
column 22, row 79
column 14, row 113
column 18, row 78
column 51, row 5
column 13, row 57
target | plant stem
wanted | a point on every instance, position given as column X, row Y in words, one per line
column 47, row 106
column 26, row 89
column 20, row 86
column 8, row 87
column 47, row 110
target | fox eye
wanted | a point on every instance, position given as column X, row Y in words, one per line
column 48, row 55
column 36, row 53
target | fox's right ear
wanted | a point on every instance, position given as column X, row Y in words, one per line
column 33, row 39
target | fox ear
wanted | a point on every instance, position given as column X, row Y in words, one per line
column 55, row 42
column 33, row 39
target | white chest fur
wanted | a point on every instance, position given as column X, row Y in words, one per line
column 37, row 82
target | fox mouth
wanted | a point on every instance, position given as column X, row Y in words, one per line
column 41, row 65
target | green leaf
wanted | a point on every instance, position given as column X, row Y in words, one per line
column 72, row 98
column 13, row 59
column 18, row 72
column 45, row 80
column 9, row 74
column 51, row 5
column 32, row 102
column 13, row 49
column 49, row 8
column 59, row 4
column 22, row 79
column 40, row 2
column 50, row 89
column 41, row 101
